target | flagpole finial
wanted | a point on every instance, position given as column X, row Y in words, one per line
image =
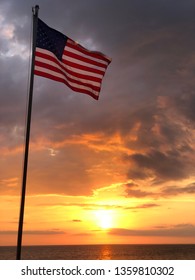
column 35, row 10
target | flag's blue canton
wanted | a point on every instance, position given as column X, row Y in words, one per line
column 50, row 39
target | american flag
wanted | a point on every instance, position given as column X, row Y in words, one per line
column 59, row 58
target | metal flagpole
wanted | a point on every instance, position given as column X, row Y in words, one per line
column 35, row 11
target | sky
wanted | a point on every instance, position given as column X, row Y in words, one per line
column 119, row 170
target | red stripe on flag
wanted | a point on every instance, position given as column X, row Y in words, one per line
column 82, row 67
column 66, row 77
column 84, row 59
column 63, row 66
column 58, row 79
column 98, row 55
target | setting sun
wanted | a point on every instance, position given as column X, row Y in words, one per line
column 104, row 218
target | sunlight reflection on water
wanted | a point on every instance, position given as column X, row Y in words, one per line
column 105, row 253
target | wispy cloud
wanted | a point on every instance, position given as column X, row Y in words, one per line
column 33, row 232
column 133, row 190
column 144, row 206
column 181, row 230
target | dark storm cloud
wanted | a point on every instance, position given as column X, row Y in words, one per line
column 165, row 166
column 152, row 47
column 164, row 137
column 85, row 15
column 12, row 96
column 186, row 106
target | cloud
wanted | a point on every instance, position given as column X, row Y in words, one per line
column 33, row 232
column 144, row 206
column 168, row 191
column 90, row 206
column 161, row 148
column 137, row 192
column 10, row 182
column 172, row 191
column 83, row 234
column 78, row 145
column 163, row 165
column 185, row 105
column 86, row 206
column 182, row 230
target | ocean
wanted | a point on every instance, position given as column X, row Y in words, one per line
column 101, row 252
